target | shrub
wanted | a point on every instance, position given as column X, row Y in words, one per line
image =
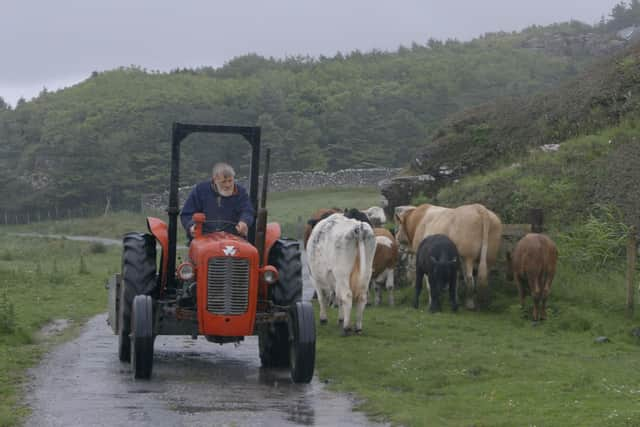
column 592, row 245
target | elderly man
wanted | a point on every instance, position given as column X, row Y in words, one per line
column 225, row 203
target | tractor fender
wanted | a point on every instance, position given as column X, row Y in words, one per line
column 160, row 231
column 272, row 235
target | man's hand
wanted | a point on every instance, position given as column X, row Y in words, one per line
column 242, row 228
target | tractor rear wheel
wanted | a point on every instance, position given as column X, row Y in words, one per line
column 142, row 336
column 285, row 255
column 273, row 341
column 302, row 331
column 138, row 278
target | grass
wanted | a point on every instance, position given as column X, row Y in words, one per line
column 493, row 368
column 42, row 280
column 292, row 209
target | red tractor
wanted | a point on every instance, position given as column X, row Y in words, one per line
column 227, row 287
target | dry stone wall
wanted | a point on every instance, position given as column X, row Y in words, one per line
column 289, row 181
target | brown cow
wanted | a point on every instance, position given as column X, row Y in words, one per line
column 475, row 230
column 384, row 263
column 534, row 261
column 318, row 215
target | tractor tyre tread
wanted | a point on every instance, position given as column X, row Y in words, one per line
column 286, row 256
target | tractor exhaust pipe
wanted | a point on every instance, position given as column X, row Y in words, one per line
column 261, row 220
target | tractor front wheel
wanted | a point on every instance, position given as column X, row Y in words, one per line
column 142, row 336
column 302, row 349
column 273, row 341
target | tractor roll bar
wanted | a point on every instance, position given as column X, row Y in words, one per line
column 180, row 132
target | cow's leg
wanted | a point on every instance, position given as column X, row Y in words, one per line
column 344, row 297
column 419, row 277
column 434, row 297
column 520, row 285
column 378, row 287
column 469, row 284
column 427, row 283
column 453, row 292
column 548, row 278
column 389, row 285
column 360, row 305
column 536, row 294
column 322, row 302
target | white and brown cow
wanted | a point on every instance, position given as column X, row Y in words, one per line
column 534, row 261
column 376, row 216
column 384, row 263
column 340, row 253
column 475, row 230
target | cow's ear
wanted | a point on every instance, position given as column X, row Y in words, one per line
column 397, row 218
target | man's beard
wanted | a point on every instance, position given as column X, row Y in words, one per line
column 224, row 193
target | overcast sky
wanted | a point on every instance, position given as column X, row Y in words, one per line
column 54, row 44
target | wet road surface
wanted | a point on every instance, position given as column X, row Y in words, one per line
column 194, row 383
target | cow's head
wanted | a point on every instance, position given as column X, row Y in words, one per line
column 400, row 218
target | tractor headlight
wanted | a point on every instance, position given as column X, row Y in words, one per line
column 186, row 271
column 270, row 274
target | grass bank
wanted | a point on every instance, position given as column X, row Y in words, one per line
column 43, row 280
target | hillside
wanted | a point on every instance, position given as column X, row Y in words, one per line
column 493, row 154
column 107, row 138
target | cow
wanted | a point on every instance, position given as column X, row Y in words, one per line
column 340, row 253
column 317, row 216
column 384, row 263
column 437, row 257
column 323, row 213
column 533, row 260
column 474, row 229
column 376, row 216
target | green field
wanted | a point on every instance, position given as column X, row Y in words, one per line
column 411, row 368
column 291, row 209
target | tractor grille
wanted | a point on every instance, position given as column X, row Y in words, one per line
column 228, row 285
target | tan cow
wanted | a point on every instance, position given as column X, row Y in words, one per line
column 384, row 263
column 475, row 230
column 534, row 260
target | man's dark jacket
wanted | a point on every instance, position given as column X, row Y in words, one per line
column 216, row 207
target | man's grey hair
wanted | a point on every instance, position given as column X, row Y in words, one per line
column 223, row 169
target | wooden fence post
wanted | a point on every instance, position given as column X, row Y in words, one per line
column 536, row 218
column 632, row 245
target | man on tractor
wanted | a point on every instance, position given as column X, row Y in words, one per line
column 225, row 204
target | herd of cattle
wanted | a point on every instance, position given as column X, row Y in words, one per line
column 349, row 250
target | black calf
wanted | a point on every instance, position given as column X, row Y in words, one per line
column 437, row 257
column 356, row 214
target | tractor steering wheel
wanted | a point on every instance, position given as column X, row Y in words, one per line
column 214, row 225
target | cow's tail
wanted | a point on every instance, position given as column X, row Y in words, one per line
column 362, row 269
column 482, row 264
